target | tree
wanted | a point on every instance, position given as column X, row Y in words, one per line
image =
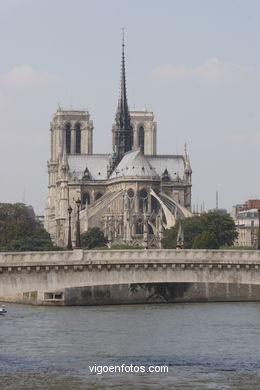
column 205, row 240
column 19, row 230
column 192, row 227
column 170, row 237
column 221, row 229
column 222, row 226
column 93, row 238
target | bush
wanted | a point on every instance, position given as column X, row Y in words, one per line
column 93, row 238
column 126, row 246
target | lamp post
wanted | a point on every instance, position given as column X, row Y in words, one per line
column 69, row 246
column 78, row 203
column 258, row 245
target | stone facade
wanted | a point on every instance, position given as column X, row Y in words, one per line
column 132, row 194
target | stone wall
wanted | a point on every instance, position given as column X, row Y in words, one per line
column 162, row 293
column 145, row 293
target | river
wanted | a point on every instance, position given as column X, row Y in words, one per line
column 204, row 345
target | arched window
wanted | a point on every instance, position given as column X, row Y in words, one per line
column 68, row 137
column 98, row 195
column 139, row 227
column 129, row 140
column 78, row 138
column 141, row 138
column 143, row 200
column 85, row 199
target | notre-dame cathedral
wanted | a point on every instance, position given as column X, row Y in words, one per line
column 132, row 194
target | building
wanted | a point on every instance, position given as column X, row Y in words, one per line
column 247, row 221
column 132, row 194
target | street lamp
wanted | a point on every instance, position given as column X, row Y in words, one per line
column 258, row 246
column 69, row 246
column 78, row 203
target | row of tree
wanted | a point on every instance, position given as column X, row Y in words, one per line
column 207, row 231
column 20, row 231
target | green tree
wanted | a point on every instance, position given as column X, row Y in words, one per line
column 220, row 226
column 192, row 227
column 205, row 240
column 93, row 238
column 170, row 237
column 19, row 230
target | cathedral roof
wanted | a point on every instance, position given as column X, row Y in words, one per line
column 134, row 164
column 174, row 164
column 95, row 165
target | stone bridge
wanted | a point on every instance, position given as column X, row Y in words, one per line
column 41, row 275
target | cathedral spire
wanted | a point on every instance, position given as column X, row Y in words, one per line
column 123, row 106
column 124, row 132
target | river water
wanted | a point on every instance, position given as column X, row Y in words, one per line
column 206, row 346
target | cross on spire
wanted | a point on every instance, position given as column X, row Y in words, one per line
column 123, row 36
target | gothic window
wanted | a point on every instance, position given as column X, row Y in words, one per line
column 129, row 140
column 98, row 195
column 141, row 138
column 130, row 193
column 78, row 138
column 86, row 175
column 165, row 175
column 143, row 193
column 85, row 199
column 143, row 200
column 68, row 137
column 139, row 227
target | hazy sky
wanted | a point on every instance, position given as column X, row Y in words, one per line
column 195, row 64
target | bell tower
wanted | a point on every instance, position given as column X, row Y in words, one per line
column 71, row 134
column 144, row 131
column 73, row 130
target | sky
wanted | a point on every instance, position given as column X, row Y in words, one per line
column 194, row 63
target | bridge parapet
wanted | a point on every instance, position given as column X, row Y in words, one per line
column 78, row 259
